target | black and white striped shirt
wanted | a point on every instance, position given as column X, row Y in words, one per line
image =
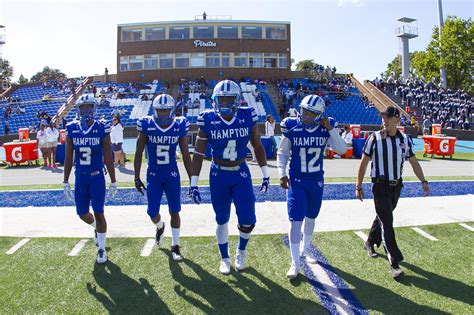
column 388, row 154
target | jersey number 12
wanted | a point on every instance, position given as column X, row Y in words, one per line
column 310, row 167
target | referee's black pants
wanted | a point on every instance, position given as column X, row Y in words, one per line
column 385, row 199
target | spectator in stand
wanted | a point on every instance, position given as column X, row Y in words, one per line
column 43, row 142
column 412, row 120
column 270, row 132
column 116, row 138
column 32, row 128
column 52, row 134
column 292, row 112
column 6, row 129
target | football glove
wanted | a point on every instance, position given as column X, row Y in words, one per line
column 68, row 194
column 194, row 194
column 112, row 190
column 139, row 186
column 265, row 184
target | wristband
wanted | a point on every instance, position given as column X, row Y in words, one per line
column 194, row 180
column 424, row 181
column 264, row 170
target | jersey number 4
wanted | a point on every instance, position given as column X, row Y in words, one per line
column 310, row 167
column 229, row 152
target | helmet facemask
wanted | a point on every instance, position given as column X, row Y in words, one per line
column 310, row 119
column 163, row 116
column 226, row 105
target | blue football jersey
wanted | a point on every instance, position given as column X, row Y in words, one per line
column 162, row 142
column 307, row 146
column 87, row 144
column 228, row 139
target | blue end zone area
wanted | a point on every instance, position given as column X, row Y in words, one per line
column 129, row 196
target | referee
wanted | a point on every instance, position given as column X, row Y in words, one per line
column 387, row 150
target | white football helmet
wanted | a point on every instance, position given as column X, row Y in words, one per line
column 161, row 102
column 226, row 97
column 314, row 104
column 86, row 113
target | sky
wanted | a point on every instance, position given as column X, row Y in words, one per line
column 80, row 37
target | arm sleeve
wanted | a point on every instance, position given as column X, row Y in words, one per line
column 369, row 145
column 184, row 128
column 283, row 156
column 336, row 142
column 140, row 125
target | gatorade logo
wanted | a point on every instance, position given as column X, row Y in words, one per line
column 444, row 145
column 16, row 154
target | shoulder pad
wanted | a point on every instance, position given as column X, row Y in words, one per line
column 288, row 124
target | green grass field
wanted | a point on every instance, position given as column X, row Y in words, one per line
column 41, row 278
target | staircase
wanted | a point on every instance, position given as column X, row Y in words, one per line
column 384, row 98
column 275, row 96
column 71, row 101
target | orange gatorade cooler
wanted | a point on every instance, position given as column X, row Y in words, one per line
column 436, row 129
column 401, row 128
column 62, row 136
column 355, row 129
column 23, row 134
column 349, row 153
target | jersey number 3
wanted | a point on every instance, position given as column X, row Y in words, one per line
column 85, row 158
column 310, row 167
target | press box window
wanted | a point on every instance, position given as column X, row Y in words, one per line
column 151, row 62
column 166, row 61
column 155, row 33
column 275, row 32
column 203, row 32
column 251, row 32
column 124, row 64
column 181, row 60
column 255, row 60
column 179, row 32
column 227, row 31
column 135, row 62
column 129, row 35
column 213, row 60
column 240, row 59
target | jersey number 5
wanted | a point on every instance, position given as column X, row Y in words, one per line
column 310, row 167
column 162, row 154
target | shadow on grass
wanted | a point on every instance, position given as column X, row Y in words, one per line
column 123, row 294
column 438, row 284
column 377, row 298
column 210, row 294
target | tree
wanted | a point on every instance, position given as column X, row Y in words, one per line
column 6, row 71
column 395, row 65
column 48, row 74
column 22, row 79
column 307, row 64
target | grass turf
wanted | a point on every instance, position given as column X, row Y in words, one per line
column 40, row 277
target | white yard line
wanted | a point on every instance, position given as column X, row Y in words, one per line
column 341, row 304
column 78, row 247
column 470, row 228
column 424, row 234
column 361, row 234
column 17, row 246
column 147, row 248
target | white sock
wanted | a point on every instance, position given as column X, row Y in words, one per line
column 159, row 224
column 101, row 240
column 93, row 224
column 175, row 236
column 295, row 254
column 222, row 233
column 308, row 232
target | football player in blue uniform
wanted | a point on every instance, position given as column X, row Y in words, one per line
column 303, row 143
column 88, row 140
column 227, row 129
column 161, row 134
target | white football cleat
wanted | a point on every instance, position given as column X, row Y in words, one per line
column 396, row 272
column 176, row 253
column 101, row 256
column 224, row 267
column 240, row 259
column 293, row 271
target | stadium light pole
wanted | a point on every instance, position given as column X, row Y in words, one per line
column 442, row 70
